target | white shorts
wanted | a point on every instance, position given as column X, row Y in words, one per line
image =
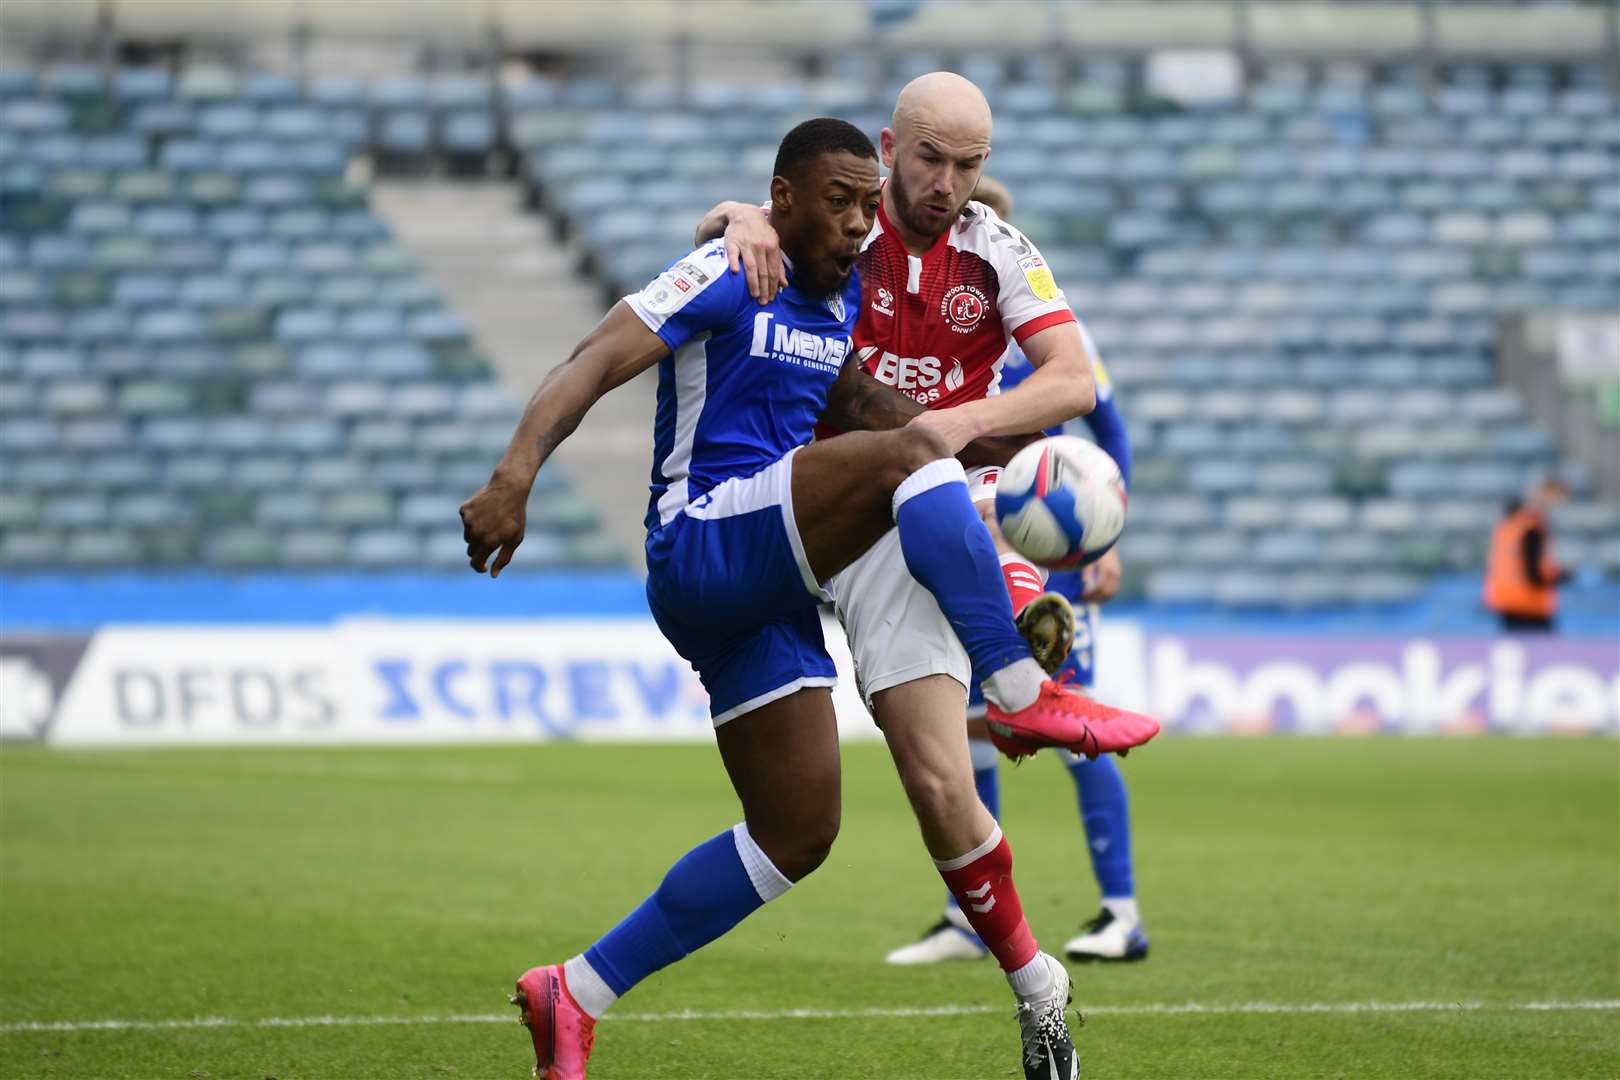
column 895, row 629
column 982, row 482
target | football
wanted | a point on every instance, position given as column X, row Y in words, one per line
column 1061, row 502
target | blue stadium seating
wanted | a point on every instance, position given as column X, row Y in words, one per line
column 1296, row 294
column 211, row 352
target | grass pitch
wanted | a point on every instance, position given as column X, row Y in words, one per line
column 245, row 885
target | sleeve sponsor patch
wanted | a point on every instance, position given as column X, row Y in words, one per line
column 670, row 290
column 1039, row 277
column 692, row 270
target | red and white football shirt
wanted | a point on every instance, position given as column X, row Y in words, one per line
column 938, row 327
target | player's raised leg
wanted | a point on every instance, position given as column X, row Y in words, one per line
column 783, row 762
column 847, row 491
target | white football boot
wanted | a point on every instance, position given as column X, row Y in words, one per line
column 940, row 942
column 1108, row 937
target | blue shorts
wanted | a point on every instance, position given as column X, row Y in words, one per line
column 730, row 587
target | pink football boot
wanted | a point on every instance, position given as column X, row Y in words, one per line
column 563, row 1033
column 1063, row 716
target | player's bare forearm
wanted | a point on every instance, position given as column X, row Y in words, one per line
column 713, row 225
column 1060, row 388
column 1055, row 393
column 493, row 520
column 617, row 349
column 995, row 449
column 554, row 410
column 858, row 402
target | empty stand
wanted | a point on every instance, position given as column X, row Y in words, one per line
column 212, row 352
column 1297, row 293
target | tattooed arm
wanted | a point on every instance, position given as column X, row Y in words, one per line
column 858, row 402
column 618, row 349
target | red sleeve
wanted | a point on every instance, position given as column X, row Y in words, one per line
column 1041, row 322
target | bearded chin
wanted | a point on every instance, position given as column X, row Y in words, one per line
column 903, row 203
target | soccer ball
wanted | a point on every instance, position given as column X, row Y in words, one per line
column 1061, row 502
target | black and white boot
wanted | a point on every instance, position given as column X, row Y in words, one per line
column 1049, row 1052
column 1113, row 935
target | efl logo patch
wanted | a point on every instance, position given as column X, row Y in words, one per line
column 660, row 302
column 963, row 308
column 1039, row 276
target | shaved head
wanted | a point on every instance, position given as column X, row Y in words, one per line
column 945, row 103
column 935, row 151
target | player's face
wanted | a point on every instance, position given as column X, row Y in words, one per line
column 934, row 172
column 838, row 196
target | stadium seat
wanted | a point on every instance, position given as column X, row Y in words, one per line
column 1296, row 292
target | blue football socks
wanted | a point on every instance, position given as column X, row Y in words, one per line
column 708, row 891
column 987, row 782
column 949, row 551
column 1105, row 812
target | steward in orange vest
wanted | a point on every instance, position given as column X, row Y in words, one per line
column 1521, row 577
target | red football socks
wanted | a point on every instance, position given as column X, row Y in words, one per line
column 1023, row 579
column 982, row 883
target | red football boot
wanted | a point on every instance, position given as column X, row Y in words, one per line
column 563, row 1033
column 1064, row 716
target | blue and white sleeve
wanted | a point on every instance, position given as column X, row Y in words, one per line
column 696, row 294
column 1106, row 424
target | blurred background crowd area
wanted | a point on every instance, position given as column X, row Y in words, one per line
column 275, row 277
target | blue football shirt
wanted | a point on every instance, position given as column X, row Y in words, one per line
column 744, row 382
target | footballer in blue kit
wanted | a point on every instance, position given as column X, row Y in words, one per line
column 721, row 541
column 744, row 525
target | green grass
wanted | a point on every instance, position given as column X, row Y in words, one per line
column 251, row 884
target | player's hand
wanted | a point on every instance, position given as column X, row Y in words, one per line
column 752, row 246
column 1102, row 579
column 957, row 428
column 492, row 524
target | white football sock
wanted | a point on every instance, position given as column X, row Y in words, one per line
column 1123, row 908
column 593, row 994
column 1034, row 979
column 1015, row 686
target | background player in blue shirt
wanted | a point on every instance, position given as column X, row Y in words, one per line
column 744, row 524
column 1115, row 933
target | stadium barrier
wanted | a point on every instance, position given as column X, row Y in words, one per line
column 435, row 681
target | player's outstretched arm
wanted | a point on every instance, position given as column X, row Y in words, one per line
column 751, row 246
column 1060, row 389
column 858, row 402
column 618, row 349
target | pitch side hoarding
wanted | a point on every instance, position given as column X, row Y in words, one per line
column 405, row 681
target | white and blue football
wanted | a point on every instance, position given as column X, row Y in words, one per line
column 1061, row 502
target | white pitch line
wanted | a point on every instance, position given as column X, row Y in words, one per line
column 1265, row 1008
